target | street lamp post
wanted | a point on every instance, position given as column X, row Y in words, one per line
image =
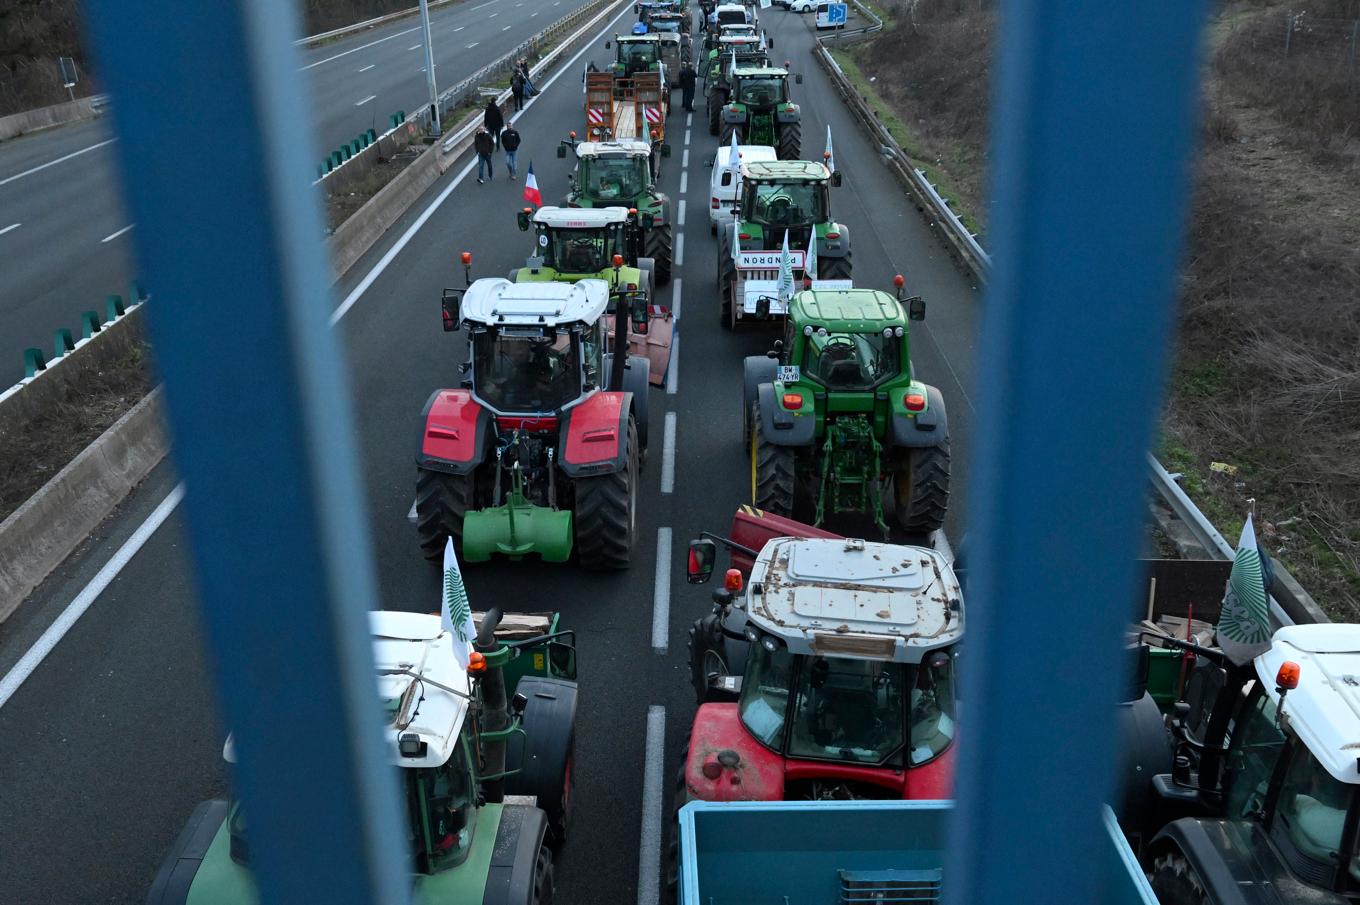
column 429, row 67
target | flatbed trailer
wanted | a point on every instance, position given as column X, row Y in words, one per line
column 618, row 108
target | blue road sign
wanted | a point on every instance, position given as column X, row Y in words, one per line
column 838, row 13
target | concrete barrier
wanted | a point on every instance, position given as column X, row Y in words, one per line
column 41, row 533
column 17, row 124
column 357, row 234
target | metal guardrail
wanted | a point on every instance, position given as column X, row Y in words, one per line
column 1290, row 603
column 344, row 30
column 857, row 33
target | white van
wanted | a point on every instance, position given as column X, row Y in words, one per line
column 724, row 185
column 831, row 15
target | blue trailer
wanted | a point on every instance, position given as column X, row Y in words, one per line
column 841, row 852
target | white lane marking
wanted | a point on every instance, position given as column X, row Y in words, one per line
column 684, row 159
column 667, row 467
column 368, row 67
column 345, row 53
column 357, row 292
column 480, row 5
column 411, row 515
column 689, row 120
column 493, row 15
column 661, row 598
column 415, row 46
column 941, row 543
column 684, row 183
column 76, row 608
column 680, row 250
column 507, row 28
column 10, row 228
column 52, row 163
column 371, row 97
column 649, row 855
column 673, row 376
column 687, row 134
column 531, row 15
column 460, row 28
column 473, row 44
column 680, row 216
column 112, row 236
column 676, row 283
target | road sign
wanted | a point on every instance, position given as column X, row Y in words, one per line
column 69, row 75
column 838, row 14
column 769, row 260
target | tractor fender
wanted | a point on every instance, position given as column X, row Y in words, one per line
column 593, row 434
column 1146, row 751
column 453, row 430
column 757, row 775
column 176, row 876
column 720, row 632
column 917, row 430
column 791, row 115
column 781, row 427
column 734, row 116
column 756, row 369
column 544, row 761
column 635, row 381
column 834, row 248
column 510, row 877
column 1227, row 855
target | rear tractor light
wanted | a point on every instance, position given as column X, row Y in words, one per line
column 914, row 402
column 793, row 401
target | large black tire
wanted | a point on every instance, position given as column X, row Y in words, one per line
column 606, row 513
column 835, row 268
column 921, row 488
column 772, row 472
column 545, row 764
column 726, row 277
column 543, row 877
column 728, row 131
column 442, row 500
column 714, row 114
column 1175, row 882
column 706, row 654
column 679, row 798
column 657, row 245
column 790, row 141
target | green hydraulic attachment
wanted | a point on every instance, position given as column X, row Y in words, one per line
column 851, row 465
column 517, row 528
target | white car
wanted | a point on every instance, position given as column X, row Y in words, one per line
column 725, row 184
column 802, row 6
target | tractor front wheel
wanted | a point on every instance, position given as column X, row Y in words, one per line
column 442, row 500
column 658, row 245
column 1175, row 882
column 772, row 472
column 921, row 489
column 834, row 268
column 714, row 114
column 727, row 277
column 606, row 513
column 790, row 141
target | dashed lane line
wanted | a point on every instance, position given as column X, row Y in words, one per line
column 371, row 97
column 673, row 373
column 680, row 214
column 661, row 599
column 676, row 284
column 345, row 53
column 684, row 183
column 111, row 236
column 368, row 67
column 10, row 228
column 667, row 471
column 649, row 855
column 51, row 163
column 680, row 250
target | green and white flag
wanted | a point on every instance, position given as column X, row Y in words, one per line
column 456, row 613
column 810, row 262
column 736, row 242
column 1244, row 622
column 784, row 287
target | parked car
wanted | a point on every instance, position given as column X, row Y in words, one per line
column 724, row 184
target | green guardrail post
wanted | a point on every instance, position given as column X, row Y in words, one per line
column 135, row 292
column 320, row 170
column 371, row 135
column 33, row 362
column 335, row 159
column 89, row 324
column 401, row 117
column 355, row 147
column 392, row 121
column 62, row 342
column 113, row 307
column 344, row 152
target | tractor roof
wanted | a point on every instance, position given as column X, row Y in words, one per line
column 765, row 72
column 786, row 171
column 1324, row 711
column 852, row 310
column 638, row 39
column 852, row 598
column 580, row 217
column 498, row 301
column 621, row 147
column 414, row 657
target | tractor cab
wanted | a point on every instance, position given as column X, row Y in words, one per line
column 721, row 41
column 757, row 109
column 636, row 53
column 732, row 14
column 760, row 88
column 668, row 23
column 463, row 739
column 784, row 195
column 829, row 674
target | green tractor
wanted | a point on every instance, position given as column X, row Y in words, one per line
column 757, row 110
column 623, row 173
column 732, row 52
column 465, row 741
column 778, row 198
column 835, row 420
column 634, row 54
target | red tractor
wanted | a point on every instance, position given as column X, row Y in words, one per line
column 539, row 451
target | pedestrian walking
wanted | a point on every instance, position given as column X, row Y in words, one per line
column 483, row 144
column 510, row 142
column 687, row 86
column 493, row 121
column 529, row 89
column 517, row 89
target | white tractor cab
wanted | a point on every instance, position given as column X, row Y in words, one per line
column 833, row 664
column 732, row 14
column 1262, row 801
column 725, row 181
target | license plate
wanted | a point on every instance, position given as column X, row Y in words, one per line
column 787, row 374
column 768, row 260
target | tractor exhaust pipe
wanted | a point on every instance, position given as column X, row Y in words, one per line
column 620, row 330
column 496, row 713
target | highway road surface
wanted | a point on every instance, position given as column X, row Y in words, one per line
column 109, row 743
column 65, row 240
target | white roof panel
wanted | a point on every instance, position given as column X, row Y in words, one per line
column 498, row 301
column 1325, row 709
column 580, row 217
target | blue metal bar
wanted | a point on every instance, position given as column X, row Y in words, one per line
column 258, row 400
column 1093, row 107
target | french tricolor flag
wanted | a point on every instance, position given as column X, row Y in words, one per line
column 531, row 192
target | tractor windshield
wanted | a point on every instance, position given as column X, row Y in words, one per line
column 786, row 205
column 667, row 25
column 1313, row 808
column 526, row 373
column 851, row 361
column 762, row 92
column 732, row 17
column 637, row 56
column 613, row 178
column 582, row 250
column 444, row 797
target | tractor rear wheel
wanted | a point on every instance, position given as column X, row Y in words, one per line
column 442, row 500
column 657, row 245
column 714, row 114
column 727, row 276
column 834, row 268
column 730, row 131
column 606, row 513
column 543, row 877
column 1175, row 882
column 772, row 472
column 921, row 489
column 790, row 141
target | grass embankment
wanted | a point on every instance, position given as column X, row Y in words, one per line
column 1264, row 401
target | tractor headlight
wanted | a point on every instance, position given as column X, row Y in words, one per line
column 807, row 331
column 821, row 331
column 887, row 332
column 899, row 332
column 769, row 644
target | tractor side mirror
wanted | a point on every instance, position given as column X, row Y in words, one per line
column 561, row 152
column 916, row 308
column 606, row 45
column 777, row 350
column 522, row 218
column 637, row 311
column 449, row 306
column 518, row 703
column 836, row 179
column 703, row 554
column 769, row 42
column 798, row 79
column 665, row 150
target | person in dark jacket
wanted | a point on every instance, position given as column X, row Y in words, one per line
column 510, row 142
column 517, row 89
column 493, row 121
column 687, row 86
column 483, row 144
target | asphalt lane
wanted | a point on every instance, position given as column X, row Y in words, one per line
column 61, row 212
column 115, row 734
